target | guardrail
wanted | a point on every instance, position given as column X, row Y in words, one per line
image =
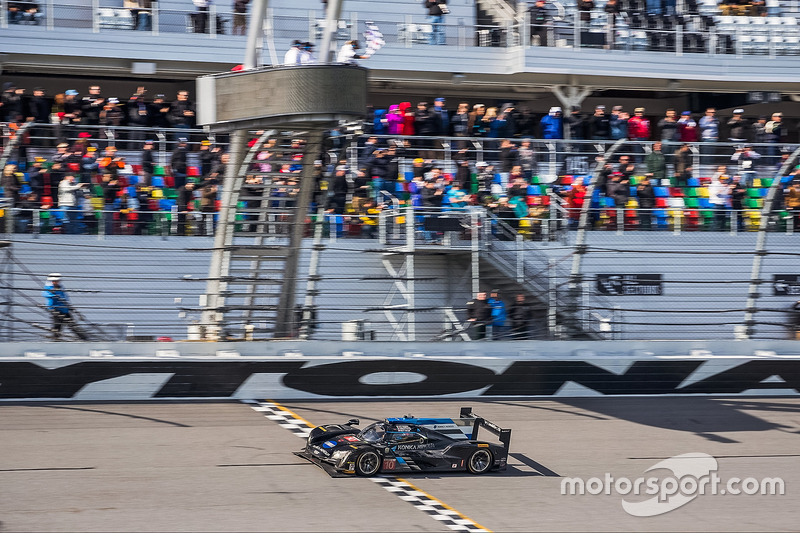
column 766, row 36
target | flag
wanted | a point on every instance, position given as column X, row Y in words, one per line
column 373, row 39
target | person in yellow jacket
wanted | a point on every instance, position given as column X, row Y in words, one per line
column 369, row 213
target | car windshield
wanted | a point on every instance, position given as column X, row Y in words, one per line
column 373, row 433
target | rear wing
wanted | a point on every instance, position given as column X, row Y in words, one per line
column 504, row 435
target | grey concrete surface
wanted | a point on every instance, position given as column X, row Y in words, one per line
column 224, row 467
column 174, row 467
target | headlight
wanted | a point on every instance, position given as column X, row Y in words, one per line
column 339, row 455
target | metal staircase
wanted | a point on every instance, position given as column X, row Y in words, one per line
column 251, row 292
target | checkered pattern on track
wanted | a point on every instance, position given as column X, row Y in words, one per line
column 429, row 505
column 424, row 502
column 285, row 419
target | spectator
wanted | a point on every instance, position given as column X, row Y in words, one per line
column 240, row 16
column 668, row 129
column 792, row 202
column 521, row 314
column 208, row 206
column 158, row 112
column 185, row 204
column 201, row 16
column 181, row 112
column 478, row 315
column 646, row 195
column 709, row 130
column 394, row 120
column 509, row 155
column 552, row 124
column 599, row 124
column 441, row 117
column 773, row 134
column 148, row 163
column 111, row 190
column 737, row 192
column 687, row 128
column 497, row 314
column 11, row 102
column 89, row 165
column 745, row 157
column 91, row 106
column 585, row 8
column 759, row 130
column 737, row 127
column 718, row 197
column 618, row 189
column 576, row 125
column 178, row 166
column 292, row 55
column 612, row 10
column 68, row 202
column 460, row 122
column 11, row 183
column 349, row 53
column 656, row 162
column 437, row 9
column 618, row 123
column 138, row 115
column 527, row 158
column 207, row 158
column 639, row 130
column 539, row 17
column 58, row 304
column 37, row 176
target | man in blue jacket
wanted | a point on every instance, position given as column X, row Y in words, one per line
column 498, row 315
column 57, row 303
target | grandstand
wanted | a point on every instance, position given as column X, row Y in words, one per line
column 698, row 56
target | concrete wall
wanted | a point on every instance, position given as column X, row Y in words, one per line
column 395, row 370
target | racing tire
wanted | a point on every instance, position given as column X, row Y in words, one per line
column 480, row 461
column 368, row 464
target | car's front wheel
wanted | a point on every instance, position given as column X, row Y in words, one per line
column 368, row 464
column 480, row 461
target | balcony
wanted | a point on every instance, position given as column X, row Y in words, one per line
column 99, row 37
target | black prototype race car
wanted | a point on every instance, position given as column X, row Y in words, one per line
column 408, row 444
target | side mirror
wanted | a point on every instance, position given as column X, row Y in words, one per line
column 353, row 422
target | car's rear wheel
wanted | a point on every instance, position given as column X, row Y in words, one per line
column 480, row 461
column 368, row 464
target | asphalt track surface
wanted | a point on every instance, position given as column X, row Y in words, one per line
column 225, row 467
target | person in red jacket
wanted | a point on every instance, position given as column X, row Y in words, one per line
column 639, row 130
column 687, row 128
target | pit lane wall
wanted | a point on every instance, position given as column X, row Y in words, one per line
column 310, row 370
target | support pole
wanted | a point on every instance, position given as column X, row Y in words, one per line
column 332, row 15
column 760, row 251
column 284, row 321
column 224, row 235
column 254, row 33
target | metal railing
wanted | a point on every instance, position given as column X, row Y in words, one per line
column 766, row 36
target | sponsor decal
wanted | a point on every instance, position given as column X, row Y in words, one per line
column 482, row 445
column 342, row 379
column 414, row 446
column 329, row 444
column 629, row 284
column 785, row 285
column 389, row 464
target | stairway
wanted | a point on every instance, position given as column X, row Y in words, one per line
column 256, row 294
column 513, row 265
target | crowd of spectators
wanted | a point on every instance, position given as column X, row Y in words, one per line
column 398, row 162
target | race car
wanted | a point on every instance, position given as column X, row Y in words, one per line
column 408, row 444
